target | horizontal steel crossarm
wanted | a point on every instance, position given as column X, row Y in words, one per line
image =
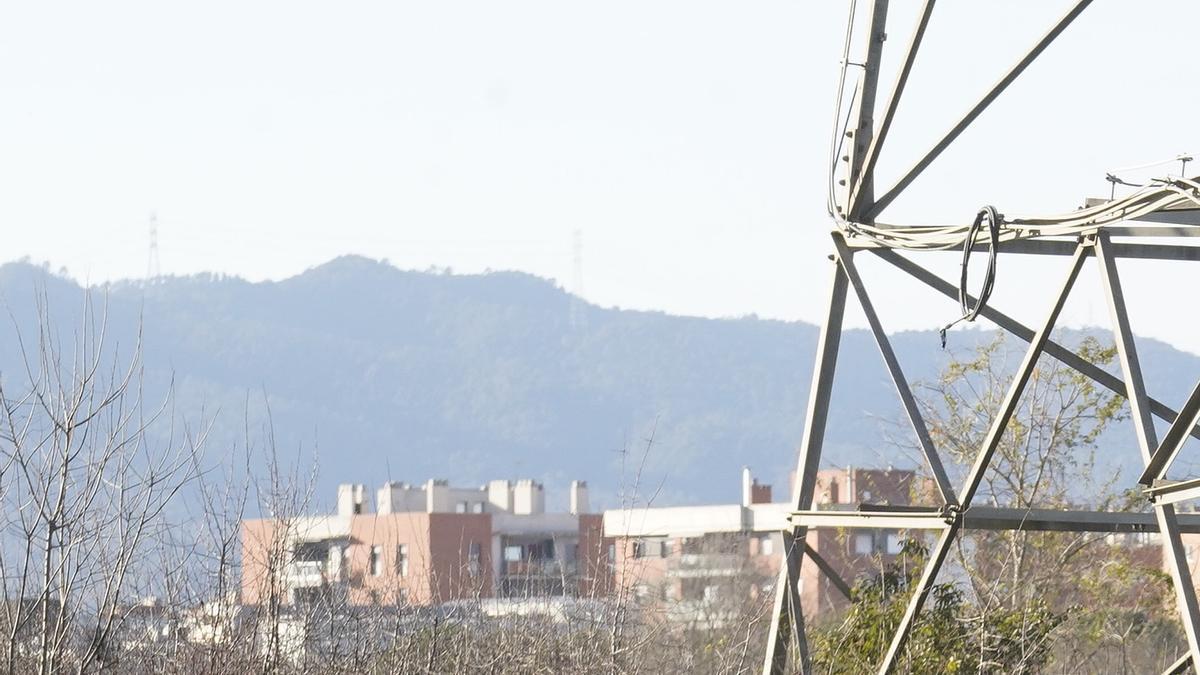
column 975, row 111
column 1187, row 216
column 1171, row 492
column 1154, row 230
column 1032, row 246
column 1184, row 214
column 1155, row 252
column 995, row 519
column 1066, row 356
column 1062, row 247
column 931, row 519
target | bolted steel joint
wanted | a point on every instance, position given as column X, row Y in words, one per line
column 952, row 513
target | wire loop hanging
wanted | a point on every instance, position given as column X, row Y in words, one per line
column 990, row 217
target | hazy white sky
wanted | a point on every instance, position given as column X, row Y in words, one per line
column 686, row 140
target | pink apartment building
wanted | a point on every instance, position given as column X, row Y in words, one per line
column 692, row 557
column 429, row 544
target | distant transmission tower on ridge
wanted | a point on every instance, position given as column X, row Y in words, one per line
column 153, row 266
column 578, row 317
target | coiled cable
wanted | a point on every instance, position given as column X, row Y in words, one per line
column 989, row 216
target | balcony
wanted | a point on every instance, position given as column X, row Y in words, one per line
column 539, row 568
column 707, row 565
column 310, row 574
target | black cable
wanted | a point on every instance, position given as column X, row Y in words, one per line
column 993, row 219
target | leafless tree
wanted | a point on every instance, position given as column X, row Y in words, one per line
column 88, row 471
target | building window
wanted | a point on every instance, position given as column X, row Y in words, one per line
column 650, row 548
column 512, row 554
column 402, row 560
column 895, row 543
column 311, row 551
column 667, row 547
column 401, row 596
column 460, row 507
column 477, row 508
column 376, row 561
column 611, row 557
column 766, row 545
column 864, row 544
column 473, row 552
column 306, row 596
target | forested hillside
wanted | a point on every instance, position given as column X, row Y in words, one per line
column 379, row 373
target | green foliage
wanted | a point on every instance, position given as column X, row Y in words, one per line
column 951, row 635
column 1047, row 455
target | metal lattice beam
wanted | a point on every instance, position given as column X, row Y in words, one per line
column 957, row 515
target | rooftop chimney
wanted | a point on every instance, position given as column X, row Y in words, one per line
column 351, row 499
column 528, row 498
column 579, row 497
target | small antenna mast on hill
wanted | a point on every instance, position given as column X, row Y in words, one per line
column 578, row 318
column 153, row 266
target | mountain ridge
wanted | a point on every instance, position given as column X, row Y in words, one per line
column 380, row 373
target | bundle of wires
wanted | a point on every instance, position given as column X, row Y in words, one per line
column 1156, row 195
column 989, row 225
column 1160, row 194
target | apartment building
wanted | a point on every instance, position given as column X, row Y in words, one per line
column 429, row 544
column 693, row 558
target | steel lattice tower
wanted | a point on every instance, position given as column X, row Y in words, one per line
column 1101, row 231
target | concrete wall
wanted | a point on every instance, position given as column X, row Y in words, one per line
column 541, row 523
column 268, row 545
column 439, row 547
column 435, row 496
column 674, row 521
column 593, row 562
column 856, row 486
column 451, row 538
column 395, row 497
column 388, row 531
column 259, row 546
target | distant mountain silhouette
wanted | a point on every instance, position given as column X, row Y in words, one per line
column 383, row 374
